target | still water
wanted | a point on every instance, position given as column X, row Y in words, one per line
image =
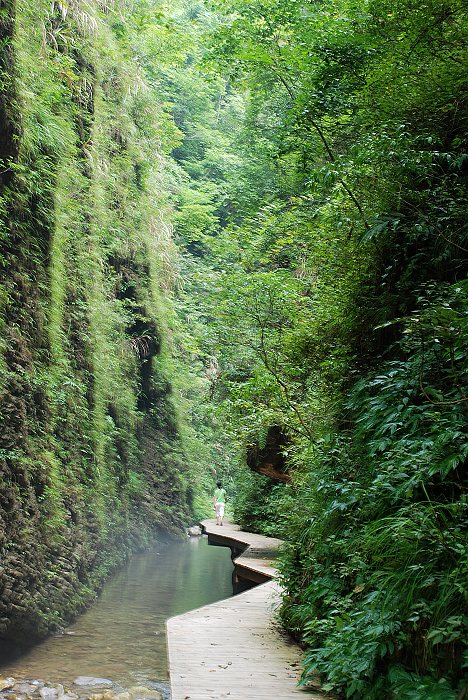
column 122, row 636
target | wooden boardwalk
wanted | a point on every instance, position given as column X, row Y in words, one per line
column 256, row 553
column 233, row 649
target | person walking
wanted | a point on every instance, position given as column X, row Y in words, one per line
column 219, row 501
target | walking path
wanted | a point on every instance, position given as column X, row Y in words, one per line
column 257, row 553
column 233, row 649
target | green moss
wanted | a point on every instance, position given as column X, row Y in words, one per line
column 91, row 449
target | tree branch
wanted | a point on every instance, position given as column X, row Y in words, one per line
column 326, row 145
column 283, row 385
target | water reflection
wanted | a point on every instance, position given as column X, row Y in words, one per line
column 122, row 636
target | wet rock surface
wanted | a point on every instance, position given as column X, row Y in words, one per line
column 91, row 681
column 82, row 688
column 194, row 531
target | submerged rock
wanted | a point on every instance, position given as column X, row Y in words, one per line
column 24, row 688
column 91, row 688
column 92, row 682
column 6, row 683
column 141, row 693
column 48, row 692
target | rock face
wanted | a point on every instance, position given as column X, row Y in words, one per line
column 80, row 487
column 268, row 459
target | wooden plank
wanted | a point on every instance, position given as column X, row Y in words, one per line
column 234, row 649
column 231, row 531
column 259, row 551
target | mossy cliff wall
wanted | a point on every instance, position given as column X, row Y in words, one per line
column 90, row 460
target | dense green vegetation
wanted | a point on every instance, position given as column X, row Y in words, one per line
column 92, row 454
column 311, row 160
column 324, row 237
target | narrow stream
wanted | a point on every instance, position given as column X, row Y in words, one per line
column 122, row 636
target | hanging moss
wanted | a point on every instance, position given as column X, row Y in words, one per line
column 91, row 460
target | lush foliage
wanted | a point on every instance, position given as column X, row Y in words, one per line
column 312, row 160
column 92, row 455
column 324, row 241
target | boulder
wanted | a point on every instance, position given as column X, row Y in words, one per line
column 6, row 683
column 25, row 688
column 194, row 531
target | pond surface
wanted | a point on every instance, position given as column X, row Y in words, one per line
column 122, row 636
